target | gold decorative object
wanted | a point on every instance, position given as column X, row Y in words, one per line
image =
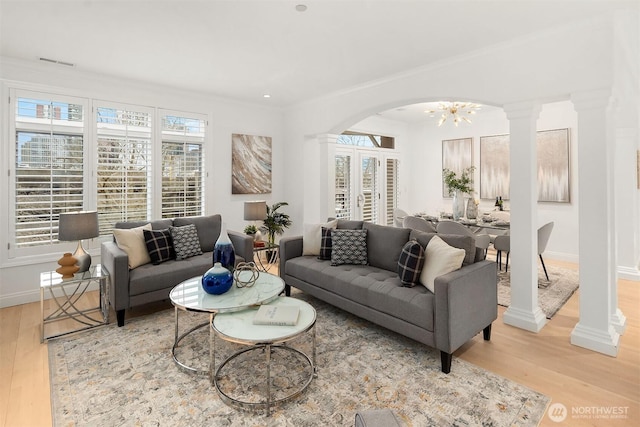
column 68, row 266
column 457, row 110
column 245, row 274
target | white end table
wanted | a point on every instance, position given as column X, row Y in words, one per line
column 238, row 327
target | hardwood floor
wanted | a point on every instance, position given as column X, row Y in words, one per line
column 580, row 379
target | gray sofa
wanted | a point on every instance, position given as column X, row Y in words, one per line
column 148, row 283
column 463, row 304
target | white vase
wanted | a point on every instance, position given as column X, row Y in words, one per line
column 472, row 208
column 458, row 205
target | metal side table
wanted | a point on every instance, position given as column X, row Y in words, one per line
column 67, row 295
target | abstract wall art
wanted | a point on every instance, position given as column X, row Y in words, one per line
column 250, row 164
column 553, row 165
column 494, row 167
column 457, row 155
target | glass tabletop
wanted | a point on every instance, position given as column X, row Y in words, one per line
column 52, row 278
column 189, row 295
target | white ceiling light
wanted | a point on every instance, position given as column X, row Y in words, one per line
column 301, row 7
column 456, row 110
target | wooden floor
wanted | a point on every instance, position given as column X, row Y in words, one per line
column 581, row 380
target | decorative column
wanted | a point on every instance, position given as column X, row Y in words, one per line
column 524, row 311
column 596, row 224
column 322, row 199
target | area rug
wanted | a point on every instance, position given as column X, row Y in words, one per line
column 125, row 376
column 552, row 293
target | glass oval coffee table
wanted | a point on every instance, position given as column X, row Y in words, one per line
column 189, row 296
column 277, row 370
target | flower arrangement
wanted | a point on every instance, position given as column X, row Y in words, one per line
column 464, row 183
column 275, row 222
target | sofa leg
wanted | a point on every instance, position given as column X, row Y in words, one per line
column 120, row 316
column 287, row 290
column 487, row 332
column 445, row 361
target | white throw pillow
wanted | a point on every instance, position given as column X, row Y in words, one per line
column 312, row 237
column 439, row 259
column 131, row 240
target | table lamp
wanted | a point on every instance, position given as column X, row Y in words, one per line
column 77, row 226
column 255, row 211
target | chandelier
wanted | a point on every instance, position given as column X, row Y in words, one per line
column 457, row 110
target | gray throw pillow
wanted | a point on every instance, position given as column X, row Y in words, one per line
column 349, row 247
column 185, row 241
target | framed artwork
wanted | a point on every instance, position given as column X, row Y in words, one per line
column 495, row 167
column 250, row 164
column 457, row 155
column 553, row 165
column 552, row 147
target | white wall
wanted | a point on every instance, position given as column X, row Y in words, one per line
column 19, row 278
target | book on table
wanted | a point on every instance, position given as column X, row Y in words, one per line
column 279, row 315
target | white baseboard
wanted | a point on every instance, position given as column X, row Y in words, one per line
column 18, row 298
column 628, row 273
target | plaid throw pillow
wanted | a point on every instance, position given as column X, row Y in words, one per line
column 349, row 247
column 410, row 263
column 159, row 245
column 325, row 244
column 185, row 241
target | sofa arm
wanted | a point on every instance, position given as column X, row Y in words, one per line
column 290, row 247
column 116, row 262
column 466, row 302
column 242, row 244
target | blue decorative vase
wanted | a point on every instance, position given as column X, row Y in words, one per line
column 223, row 251
column 217, row 280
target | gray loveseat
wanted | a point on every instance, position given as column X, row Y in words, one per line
column 463, row 304
column 148, row 283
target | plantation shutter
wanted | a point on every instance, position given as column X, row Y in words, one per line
column 182, row 165
column 391, row 195
column 49, row 166
column 343, row 186
column 124, row 165
column 370, row 188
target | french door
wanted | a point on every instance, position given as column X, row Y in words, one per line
column 366, row 185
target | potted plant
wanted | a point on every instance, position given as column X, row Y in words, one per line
column 275, row 222
column 251, row 230
column 457, row 187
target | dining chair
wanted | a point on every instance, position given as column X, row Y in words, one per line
column 417, row 223
column 503, row 244
column 398, row 216
column 544, row 233
column 482, row 241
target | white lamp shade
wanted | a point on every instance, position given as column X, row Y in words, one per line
column 78, row 226
column 255, row 211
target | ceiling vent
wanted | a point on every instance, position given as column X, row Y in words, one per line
column 53, row 61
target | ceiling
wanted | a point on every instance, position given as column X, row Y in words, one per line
column 246, row 49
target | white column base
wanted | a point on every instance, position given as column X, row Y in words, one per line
column 629, row 273
column 605, row 342
column 619, row 322
column 532, row 321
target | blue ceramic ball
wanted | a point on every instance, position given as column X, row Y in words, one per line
column 217, row 280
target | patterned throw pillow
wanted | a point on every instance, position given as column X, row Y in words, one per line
column 159, row 245
column 349, row 247
column 410, row 263
column 185, row 241
column 325, row 244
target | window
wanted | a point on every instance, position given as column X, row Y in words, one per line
column 72, row 154
column 124, row 165
column 49, row 166
column 343, row 186
column 391, row 196
column 182, row 166
column 366, row 140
